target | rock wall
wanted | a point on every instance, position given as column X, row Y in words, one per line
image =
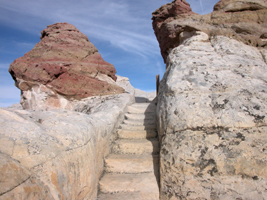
column 212, row 113
column 57, row 154
column 212, row 102
column 63, row 66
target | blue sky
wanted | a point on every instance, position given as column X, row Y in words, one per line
column 120, row 29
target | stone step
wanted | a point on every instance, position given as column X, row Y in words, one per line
column 140, row 122
column 130, row 164
column 132, row 134
column 145, row 183
column 129, row 196
column 130, row 116
column 137, row 127
column 136, row 146
column 145, row 109
column 143, row 105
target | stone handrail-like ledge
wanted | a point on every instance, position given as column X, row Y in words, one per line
column 57, row 154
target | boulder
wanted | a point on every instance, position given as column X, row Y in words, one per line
column 125, row 84
column 63, row 66
column 212, row 121
column 243, row 20
column 58, row 154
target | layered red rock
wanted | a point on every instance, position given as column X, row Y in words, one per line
column 167, row 36
column 67, row 63
column 243, row 20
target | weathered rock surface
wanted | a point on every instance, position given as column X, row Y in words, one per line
column 212, row 114
column 143, row 97
column 57, row 154
column 125, row 84
column 243, row 20
column 63, row 65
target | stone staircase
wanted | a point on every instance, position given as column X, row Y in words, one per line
column 131, row 170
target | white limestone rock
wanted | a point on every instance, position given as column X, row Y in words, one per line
column 125, row 84
column 57, row 154
column 212, row 121
column 142, row 96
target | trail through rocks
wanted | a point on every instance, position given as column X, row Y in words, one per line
column 131, row 170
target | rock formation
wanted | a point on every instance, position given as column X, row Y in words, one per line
column 212, row 102
column 63, row 66
column 58, row 154
column 243, row 20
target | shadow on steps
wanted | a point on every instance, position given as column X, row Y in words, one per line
column 151, row 110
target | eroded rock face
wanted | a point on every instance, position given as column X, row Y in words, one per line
column 64, row 65
column 58, row 154
column 212, row 114
column 212, row 110
column 243, row 20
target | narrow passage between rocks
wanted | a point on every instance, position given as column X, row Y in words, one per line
column 131, row 170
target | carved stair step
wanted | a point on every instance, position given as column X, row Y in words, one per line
column 137, row 127
column 140, row 122
column 136, row 146
column 128, row 196
column 141, row 116
column 145, row 183
column 129, row 164
column 141, row 109
column 143, row 105
column 133, row 134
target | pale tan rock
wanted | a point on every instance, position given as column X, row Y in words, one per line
column 137, row 127
column 212, row 121
column 136, row 146
column 123, row 163
column 114, row 183
column 57, row 154
column 137, row 116
column 125, row 84
column 141, row 109
column 137, row 134
column 11, row 168
column 128, row 196
column 145, row 122
column 144, row 97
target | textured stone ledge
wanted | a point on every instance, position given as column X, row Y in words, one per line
column 57, row 154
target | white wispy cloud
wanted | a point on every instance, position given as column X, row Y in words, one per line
column 122, row 23
column 125, row 24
